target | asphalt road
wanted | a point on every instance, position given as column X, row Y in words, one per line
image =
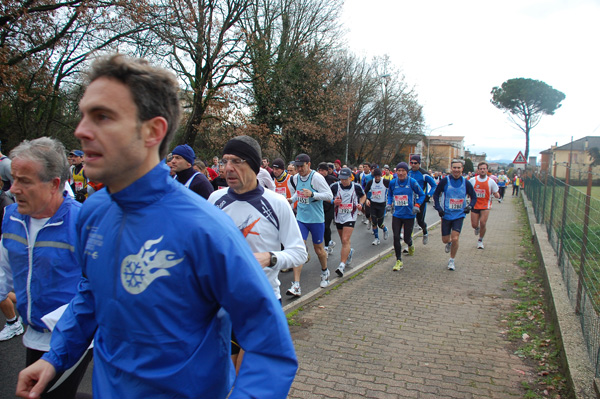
column 363, row 250
column 12, row 352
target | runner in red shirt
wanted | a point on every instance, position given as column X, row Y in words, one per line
column 484, row 187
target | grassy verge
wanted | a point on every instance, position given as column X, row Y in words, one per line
column 530, row 329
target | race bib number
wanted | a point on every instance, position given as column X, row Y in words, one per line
column 302, row 198
column 78, row 185
column 456, row 203
column 401, row 200
column 378, row 194
column 280, row 190
column 345, row 208
column 480, row 193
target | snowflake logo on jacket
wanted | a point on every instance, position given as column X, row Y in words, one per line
column 140, row 270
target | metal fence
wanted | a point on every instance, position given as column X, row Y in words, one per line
column 572, row 219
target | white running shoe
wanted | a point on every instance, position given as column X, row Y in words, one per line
column 477, row 231
column 349, row 260
column 340, row 270
column 329, row 250
column 451, row 264
column 386, row 234
column 11, row 330
column 480, row 244
column 331, row 244
column 376, row 242
column 324, row 278
column 425, row 239
column 365, row 221
column 448, row 247
column 294, row 289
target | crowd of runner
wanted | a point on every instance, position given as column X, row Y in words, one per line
column 112, row 243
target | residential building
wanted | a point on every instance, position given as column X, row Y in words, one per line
column 556, row 158
column 442, row 150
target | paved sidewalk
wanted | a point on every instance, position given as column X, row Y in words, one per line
column 423, row 332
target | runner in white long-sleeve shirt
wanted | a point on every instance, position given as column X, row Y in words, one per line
column 264, row 217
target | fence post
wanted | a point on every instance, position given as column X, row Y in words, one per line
column 564, row 213
column 545, row 185
column 552, row 207
column 586, row 220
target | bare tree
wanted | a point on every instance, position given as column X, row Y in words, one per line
column 293, row 91
column 203, row 43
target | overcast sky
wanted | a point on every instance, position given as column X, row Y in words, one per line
column 455, row 52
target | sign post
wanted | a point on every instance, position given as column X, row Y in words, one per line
column 519, row 161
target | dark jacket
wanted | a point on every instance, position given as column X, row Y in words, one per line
column 200, row 184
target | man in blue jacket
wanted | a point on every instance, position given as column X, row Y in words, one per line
column 36, row 255
column 161, row 292
column 406, row 196
column 455, row 189
column 423, row 180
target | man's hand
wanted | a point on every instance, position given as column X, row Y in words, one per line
column 416, row 209
column 441, row 213
column 33, row 379
column 467, row 209
column 263, row 258
column 388, row 208
column 307, row 192
column 337, row 201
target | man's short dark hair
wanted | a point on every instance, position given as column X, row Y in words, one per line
column 483, row 163
column 154, row 90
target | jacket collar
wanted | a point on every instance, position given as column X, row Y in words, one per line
column 146, row 190
column 58, row 216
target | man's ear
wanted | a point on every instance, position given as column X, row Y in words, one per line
column 154, row 131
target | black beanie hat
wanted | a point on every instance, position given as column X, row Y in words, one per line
column 246, row 148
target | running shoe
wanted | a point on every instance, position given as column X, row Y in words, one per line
column 324, row 278
column 451, row 264
column 331, row 244
column 480, row 244
column 369, row 228
column 340, row 270
column 386, row 233
column 365, row 221
column 294, row 289
column 349, row 260
column 411, row 250
column 425, row 239
column 376, row 242
column 11, row 330
column 477, row 231
column 448, row 246
column 398, row 266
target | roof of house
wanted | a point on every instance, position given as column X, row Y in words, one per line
column 579, row 145
column 447, row 138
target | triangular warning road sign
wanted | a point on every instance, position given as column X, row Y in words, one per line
column 519, row 158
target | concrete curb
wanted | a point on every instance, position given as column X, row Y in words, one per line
column 574, row 354
column 319, row 292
